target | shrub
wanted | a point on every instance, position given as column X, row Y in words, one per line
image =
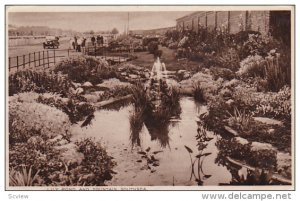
column 246, row 97
column 252, row 66
column 43, row 160
column 173, row 45
column 153, row 47
column 229, row 59
column 218, row 112
column 224, row 73
column 173, row 34
column 206, row 81
column 29, row 119
column 255, row 44
column 83, row 69
column 241, row 37
column 96, row 162
column 275, row 69
column 276, row 105
column 40, row 82
column 261, row 158
column 157, row 53
column 73, row 107
column 280, row 137
column 49, row 168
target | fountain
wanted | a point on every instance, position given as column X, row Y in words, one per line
column 158, row 70
column 161, row 105
column 157, row 85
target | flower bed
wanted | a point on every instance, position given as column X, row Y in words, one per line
column 51, row 157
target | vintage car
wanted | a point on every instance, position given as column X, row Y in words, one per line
column 51, row 42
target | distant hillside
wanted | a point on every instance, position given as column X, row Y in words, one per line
column 37, row 31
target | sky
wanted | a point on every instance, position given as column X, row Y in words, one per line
column 96, row 21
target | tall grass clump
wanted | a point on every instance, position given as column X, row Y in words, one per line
column 199, row 93
column 140, row 98
column 170, row 98
column 24, row 178
column 240, row 118
column 278, row 71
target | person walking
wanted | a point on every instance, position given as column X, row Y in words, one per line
column 93, row 39
column 83, row 45
column 79, row 42
column 75, row 43
column 99, row 40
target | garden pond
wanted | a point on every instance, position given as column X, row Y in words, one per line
column 157, row 156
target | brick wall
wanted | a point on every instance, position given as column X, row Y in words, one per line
column 202, row 19
column 211, row 21
column 233, row 21
column 222, row 20
column 260, row 21
column 237, row 21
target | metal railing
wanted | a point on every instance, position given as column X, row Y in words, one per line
column 45, row 59
column 48, row 58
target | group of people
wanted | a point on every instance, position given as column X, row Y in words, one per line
column 79, row 43
column 99, row 40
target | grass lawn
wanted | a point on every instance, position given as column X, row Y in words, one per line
column 146, row 60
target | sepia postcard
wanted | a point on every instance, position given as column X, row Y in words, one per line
column 149, row 97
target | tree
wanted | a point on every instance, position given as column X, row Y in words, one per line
column 114, row 31
column 92, row 32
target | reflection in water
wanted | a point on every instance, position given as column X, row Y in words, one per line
column 157, row 125
column 159, row 131
column 136, row 124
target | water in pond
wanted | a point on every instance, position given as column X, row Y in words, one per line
column 156, row 157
